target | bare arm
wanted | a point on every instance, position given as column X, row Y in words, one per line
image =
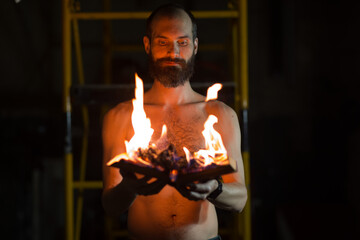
column 121, row 187
column 234, row 193
column 116, row 197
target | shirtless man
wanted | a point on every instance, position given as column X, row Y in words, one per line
column 157, row 210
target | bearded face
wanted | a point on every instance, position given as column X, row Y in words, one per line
column 171, row 76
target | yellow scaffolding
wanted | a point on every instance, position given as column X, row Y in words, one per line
column 70, row 19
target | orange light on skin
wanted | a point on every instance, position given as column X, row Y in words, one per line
column 214, row 151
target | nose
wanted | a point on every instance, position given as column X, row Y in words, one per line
column 173, row 50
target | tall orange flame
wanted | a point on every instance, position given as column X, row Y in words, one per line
column 214, row 151
column 141, row 125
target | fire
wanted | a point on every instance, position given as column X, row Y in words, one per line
column 163, row 131
column 212, row 92
column 141, row 125
column 214, row 151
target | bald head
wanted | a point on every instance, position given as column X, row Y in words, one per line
column 170, row 11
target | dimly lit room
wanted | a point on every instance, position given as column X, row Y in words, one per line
column 289, row 71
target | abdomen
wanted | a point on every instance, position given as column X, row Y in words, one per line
column 168, row 215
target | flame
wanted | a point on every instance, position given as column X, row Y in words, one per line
column 214, row 151
column 187, row 154
column 163, row 131
column 141, row 125
column 212, row 92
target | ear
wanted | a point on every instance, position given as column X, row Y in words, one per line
column 146, row 42
column 196, row 44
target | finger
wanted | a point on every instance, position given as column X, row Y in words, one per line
column 184, row 192
column 145, row 179
column 134, row 175
column 204, row 188
column 127, row 174
column 197, row 195
column 191, row 195
column 151, row 188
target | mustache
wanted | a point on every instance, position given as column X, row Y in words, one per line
column 169, row 59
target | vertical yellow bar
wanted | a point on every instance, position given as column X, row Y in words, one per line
column 247, row 209
column 244, row 71
column 66, row 48
column 69, row 197
column 107, row 40
column 244, row 79
column 85, row 115
column 108, row 48
column 236, row 64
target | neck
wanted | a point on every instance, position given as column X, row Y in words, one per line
column 158, row 94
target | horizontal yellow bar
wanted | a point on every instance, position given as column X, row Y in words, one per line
column 87, row 184
column 216, row 14
column 144, row 15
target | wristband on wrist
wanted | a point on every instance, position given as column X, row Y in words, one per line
column 212, row 196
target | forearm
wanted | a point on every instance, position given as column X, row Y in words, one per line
column 117, row 200
column 232, row 198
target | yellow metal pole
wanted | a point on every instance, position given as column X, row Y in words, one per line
column 238, row 230
column 107, row 45
column 66, row 48
column 144, row 15
column 85, row 115
column 108, row 49
column 244, row 58
column 236, row 64
column 244, row 79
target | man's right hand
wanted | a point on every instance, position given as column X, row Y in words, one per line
column 141, row 184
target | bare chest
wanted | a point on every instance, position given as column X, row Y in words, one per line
column 184, row 126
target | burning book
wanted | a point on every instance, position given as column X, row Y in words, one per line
column 166, row 164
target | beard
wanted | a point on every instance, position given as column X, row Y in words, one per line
column 171, row 76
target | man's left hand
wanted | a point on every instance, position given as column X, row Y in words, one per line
column 198, row 191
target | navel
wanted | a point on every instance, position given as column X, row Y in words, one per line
column 173, row 218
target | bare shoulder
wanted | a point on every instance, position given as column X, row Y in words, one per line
column 118, row 113
column 115, row 127
column 222, row 111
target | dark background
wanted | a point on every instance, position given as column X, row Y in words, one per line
column 304, row 113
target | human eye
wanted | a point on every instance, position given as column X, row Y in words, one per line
column 162, row 42
column 183, row 42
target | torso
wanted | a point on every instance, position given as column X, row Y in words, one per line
column 168, row 215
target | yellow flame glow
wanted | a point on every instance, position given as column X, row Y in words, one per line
column 163, row 131
column 214, row 151
column 187, row 154
column 214, row 148
column 141, row 125
column 212, row 92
